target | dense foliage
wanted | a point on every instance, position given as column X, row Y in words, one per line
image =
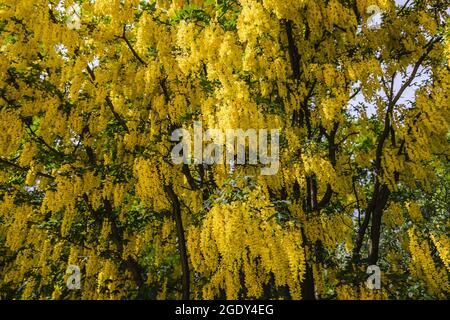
column 90, row 92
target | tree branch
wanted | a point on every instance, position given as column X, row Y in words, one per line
column 16, row 166
column 135, row 54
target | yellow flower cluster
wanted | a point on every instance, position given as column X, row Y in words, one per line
column 245, row 237
column 442, row 244
column 12, row 132
column 329, row 230
column 393, row 216
column 414, row 211
column 423, row 267
column 349, row 292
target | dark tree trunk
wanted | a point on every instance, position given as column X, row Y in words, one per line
column 181, row 242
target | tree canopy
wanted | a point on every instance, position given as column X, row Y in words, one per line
column 91, row 91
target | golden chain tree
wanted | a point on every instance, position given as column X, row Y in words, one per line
column 91, row 91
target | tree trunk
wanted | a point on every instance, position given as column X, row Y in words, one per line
column 181, row 241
